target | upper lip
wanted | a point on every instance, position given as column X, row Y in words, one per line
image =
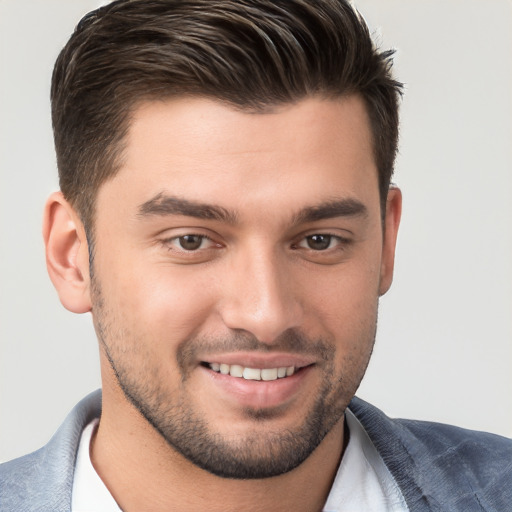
column 259, row 360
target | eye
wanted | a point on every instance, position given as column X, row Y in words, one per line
column 189, row 243
column 319, row 242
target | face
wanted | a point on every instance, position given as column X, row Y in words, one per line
column 238, row 262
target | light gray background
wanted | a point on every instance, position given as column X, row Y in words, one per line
column 444, row 346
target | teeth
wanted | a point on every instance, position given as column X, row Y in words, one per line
column 269, row 374
column 235, row 370
column 252, row 374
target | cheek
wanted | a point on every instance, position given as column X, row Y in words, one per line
column 167, row 302
column 354, row 339
column 347, row 312
column 348, row 297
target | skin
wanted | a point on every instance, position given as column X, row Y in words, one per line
column 287, row 269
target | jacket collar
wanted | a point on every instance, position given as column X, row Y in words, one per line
column 42, row 481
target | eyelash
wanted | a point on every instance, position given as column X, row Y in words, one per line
column 342, row 242
column 169, row 245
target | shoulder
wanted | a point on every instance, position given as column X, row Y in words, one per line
column 434, row 438
column 441, row 464
column 43, row 480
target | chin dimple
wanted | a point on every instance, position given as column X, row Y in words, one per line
column 243, row 372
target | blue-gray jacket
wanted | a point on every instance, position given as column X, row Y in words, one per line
column 437, row 467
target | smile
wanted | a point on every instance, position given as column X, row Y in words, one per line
column 266, row 374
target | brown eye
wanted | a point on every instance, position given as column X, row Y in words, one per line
column 190, row 242
column 318, row 242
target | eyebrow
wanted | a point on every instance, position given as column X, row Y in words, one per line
column 162, row 205
column 331, row 209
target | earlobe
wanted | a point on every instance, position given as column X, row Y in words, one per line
column 67, row 257
column 391, row 224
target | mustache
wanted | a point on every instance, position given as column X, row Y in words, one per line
column 292, row 340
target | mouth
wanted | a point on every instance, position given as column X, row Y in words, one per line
column 247, row 373
column 258, row 381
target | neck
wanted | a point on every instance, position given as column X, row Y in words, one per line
column 143, row 472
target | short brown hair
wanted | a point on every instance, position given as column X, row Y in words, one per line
column 251, row 54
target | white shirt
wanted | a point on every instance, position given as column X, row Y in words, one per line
column 89, row 493
column 362, row 483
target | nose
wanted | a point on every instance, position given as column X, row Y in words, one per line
column 260, row 296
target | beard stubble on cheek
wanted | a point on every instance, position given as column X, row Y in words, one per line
column 261, row 452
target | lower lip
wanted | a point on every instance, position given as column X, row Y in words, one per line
column 258, row 394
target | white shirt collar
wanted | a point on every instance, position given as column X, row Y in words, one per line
column 363, row 482
column 89, row 493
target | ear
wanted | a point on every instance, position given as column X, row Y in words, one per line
column 391, row 223
column 67, row 254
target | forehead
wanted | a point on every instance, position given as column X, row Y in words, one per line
column 206, row 151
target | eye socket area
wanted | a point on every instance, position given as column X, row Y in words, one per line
column 191, row 246
column 324, row 247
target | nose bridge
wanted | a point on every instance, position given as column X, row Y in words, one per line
column 260, row 296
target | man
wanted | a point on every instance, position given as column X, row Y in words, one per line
column 226, row 215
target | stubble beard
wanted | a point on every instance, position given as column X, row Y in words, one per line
column 261, row 453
